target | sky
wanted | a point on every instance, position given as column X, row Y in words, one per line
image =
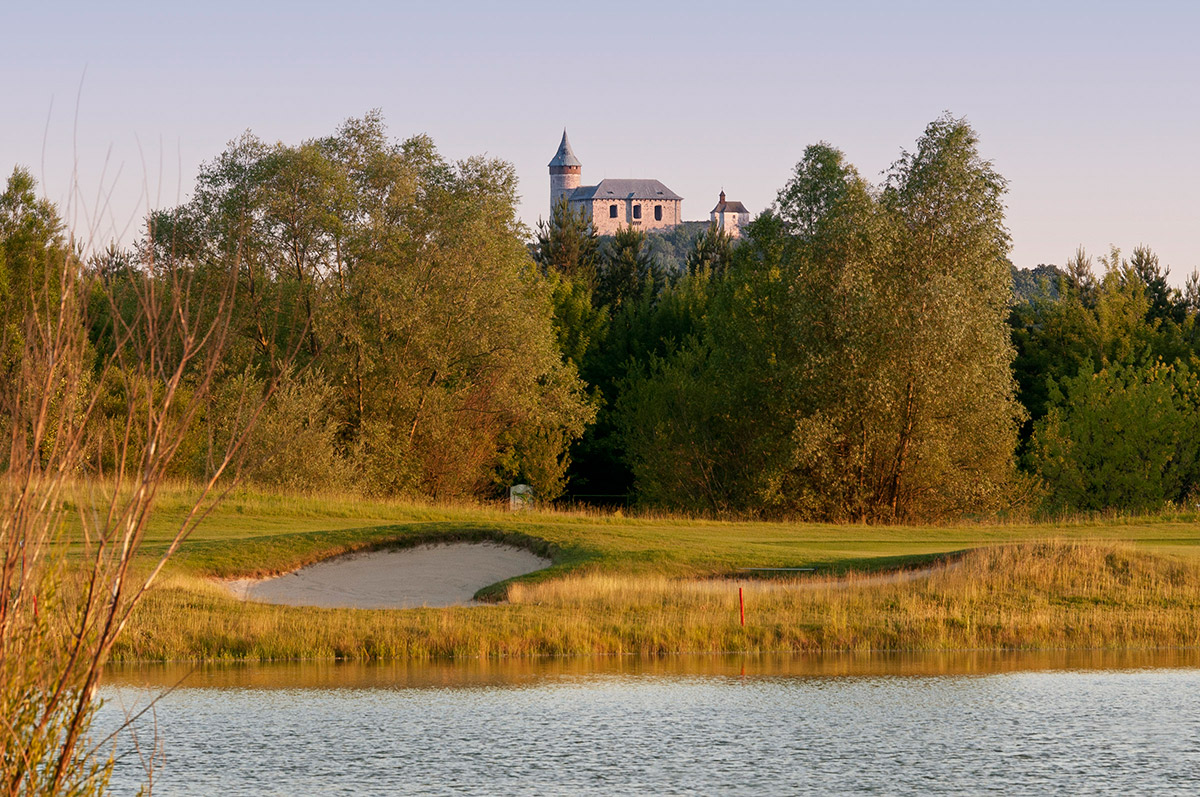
column 1091, row 109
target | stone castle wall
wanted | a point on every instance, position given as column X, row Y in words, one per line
column 604, row 224
column 730, row 222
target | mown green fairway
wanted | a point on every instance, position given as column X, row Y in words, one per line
column 254, row 533
column 660, row 585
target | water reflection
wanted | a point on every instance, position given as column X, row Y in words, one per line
column 954, row 723
column 444, row 673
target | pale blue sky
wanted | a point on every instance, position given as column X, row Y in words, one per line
column 1091, row 109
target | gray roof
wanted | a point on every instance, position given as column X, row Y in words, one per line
column 729, row 207
column 624, row 189
column 564, row 156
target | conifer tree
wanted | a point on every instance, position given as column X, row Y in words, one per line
column 567, row 244
column 625, row 268
column 711, row 251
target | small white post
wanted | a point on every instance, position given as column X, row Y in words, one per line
column 520, row 497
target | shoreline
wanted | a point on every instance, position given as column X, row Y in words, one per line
column 321, row 672
column 1028, row 596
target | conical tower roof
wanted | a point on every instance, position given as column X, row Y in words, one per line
column 564, row 156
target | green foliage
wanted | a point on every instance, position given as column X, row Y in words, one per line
column 1092, row 324
column 1190, row 297
column 847, row 358
column 654, row 291
column 959, row 420
column 567, row 245
column 626, row 269
column 579, row 325
column 1104, row 372
column 670, row 247
column 1080, row 279
column 1032, row 283
column 677, row 429
column 712, row 251
column 646, row 327
column 1126, row 436
column 293, row 445
column 32, row 253
column 1164, row 301
column 820, row 184
column 855, row 362
column 405, row 278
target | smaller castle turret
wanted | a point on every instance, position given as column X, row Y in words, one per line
column 566, row 172
column 730, row 217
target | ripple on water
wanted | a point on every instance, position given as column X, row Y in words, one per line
column 629, row 731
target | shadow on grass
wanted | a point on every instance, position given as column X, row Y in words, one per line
column 280, row 553
column 842, row 567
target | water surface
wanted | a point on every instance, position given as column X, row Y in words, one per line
column 952, row 724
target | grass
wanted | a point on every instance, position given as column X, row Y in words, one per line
column 1027, row 596
column 663, row 584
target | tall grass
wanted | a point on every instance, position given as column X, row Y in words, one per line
column 1027, row 596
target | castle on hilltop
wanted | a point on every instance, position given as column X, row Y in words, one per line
column 615, row 203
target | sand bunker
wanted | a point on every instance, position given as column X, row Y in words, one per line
column 428, row 575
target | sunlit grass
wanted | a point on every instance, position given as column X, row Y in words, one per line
column 1029, row 596
column 661, row 583
column 256, row 532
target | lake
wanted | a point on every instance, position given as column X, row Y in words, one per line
column 965, row 723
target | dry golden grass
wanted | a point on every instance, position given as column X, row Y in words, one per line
column 1026, row 596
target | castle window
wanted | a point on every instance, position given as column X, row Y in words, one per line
column 612, row 211
column 658, row 212
column 637, row 211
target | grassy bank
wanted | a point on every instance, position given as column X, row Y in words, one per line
column 654, row 585
column 1034, row 595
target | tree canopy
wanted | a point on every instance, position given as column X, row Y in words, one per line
column 861, row 352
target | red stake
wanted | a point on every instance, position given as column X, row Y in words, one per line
column 742, row 605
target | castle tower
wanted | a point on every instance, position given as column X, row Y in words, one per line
column 730, row 217
column 566, row 172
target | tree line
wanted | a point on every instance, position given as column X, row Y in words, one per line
column 863, row 352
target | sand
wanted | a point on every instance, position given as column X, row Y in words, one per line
column 428, row 575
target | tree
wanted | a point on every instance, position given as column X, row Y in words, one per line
column 669, row 247
column 32, row 250
column 710, row 426
column 1112, row 321
column 1040, row 281
column 405, row 278
column 958, row 417
column 567, row 252
column 648, row 318
column 1079, row 279
column 579, row 325
column 855, row 361
column 453, row 341
column 711, row 251
column 567, row 245
column 700, row 425
column 819, row 184
column 1164, row 300
column 1127, row 436
column 1191, row 293
column 625, row 268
